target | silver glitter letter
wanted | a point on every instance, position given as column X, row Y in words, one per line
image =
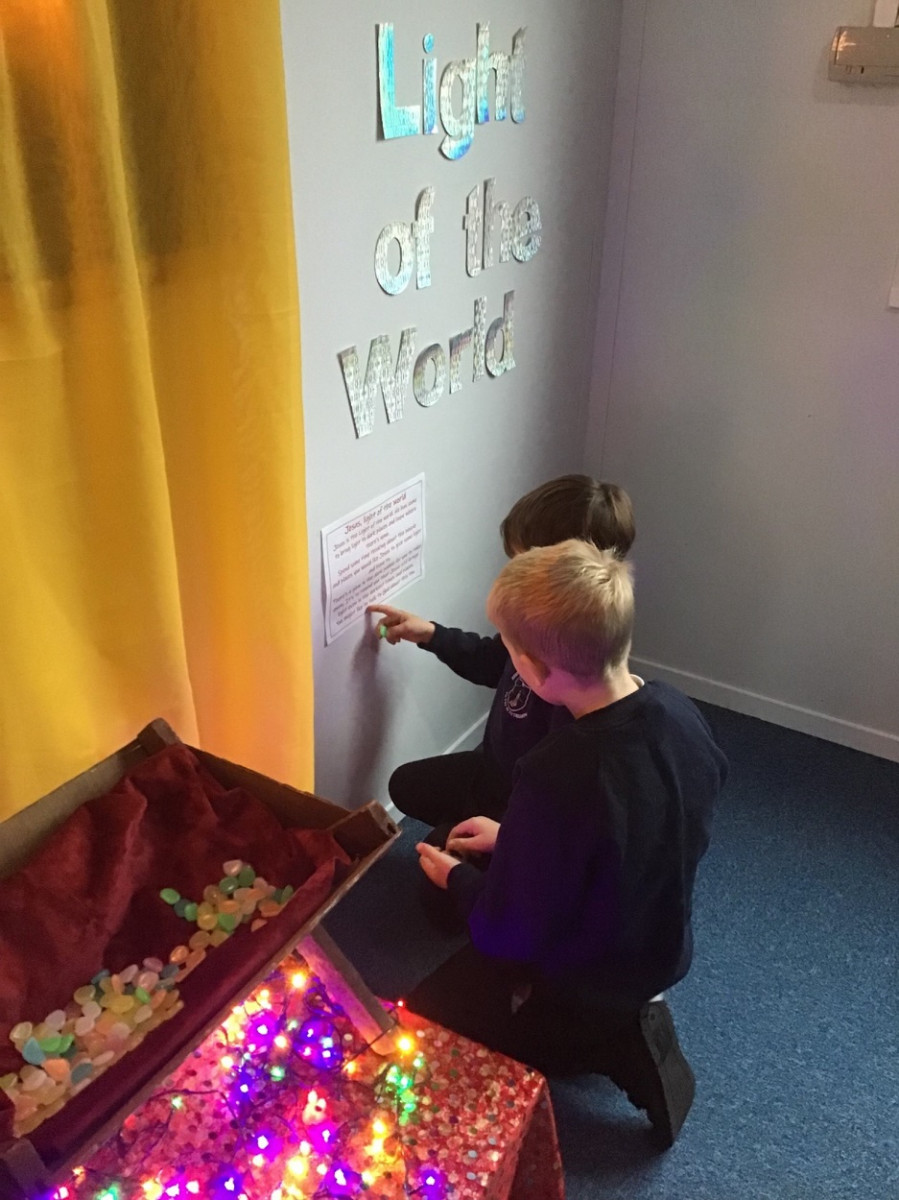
column 491, row 212
column 527, row 237
column 479, row 337
column 459, row 130
column 488, row 62
column 460, row 342
column 425, row 396
column 400, row 232
column 377, row 372
column 504, row 324
column 422, row 228
column 396, row 121
column 518, row 76
column 471, row 223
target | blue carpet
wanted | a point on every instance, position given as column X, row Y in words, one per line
column 790, row 1016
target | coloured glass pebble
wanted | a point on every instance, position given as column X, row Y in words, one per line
column 32, row 1052
column 169, row 895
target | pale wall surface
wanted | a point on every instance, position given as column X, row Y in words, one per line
column 484, row 446
column 746, row 379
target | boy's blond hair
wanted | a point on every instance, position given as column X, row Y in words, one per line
column 569, row 606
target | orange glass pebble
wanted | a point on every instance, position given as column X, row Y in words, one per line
column 199, row 940
column 179, row 954
column 57, row 1069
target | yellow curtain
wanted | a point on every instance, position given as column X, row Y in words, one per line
column 152, row 520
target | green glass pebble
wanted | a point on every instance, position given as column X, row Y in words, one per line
column 32, row 1052
column 51, row 1045
column 180, row 906
column 286, row 893
column 228, row 885
column 246, row 876
column 170, row 896
column 190, row 911
column 142, row 994
column 228, row 921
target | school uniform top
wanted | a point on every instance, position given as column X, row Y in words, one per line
column 518, row 718
column 590, row 885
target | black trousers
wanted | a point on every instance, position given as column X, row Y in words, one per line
column 473, row 995
column 449, row 788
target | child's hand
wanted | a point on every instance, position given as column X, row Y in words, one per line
column 435, row 863
column 476, row 834
column 402, row 626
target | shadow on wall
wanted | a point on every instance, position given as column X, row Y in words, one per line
column 363, row 725
column 699, row 607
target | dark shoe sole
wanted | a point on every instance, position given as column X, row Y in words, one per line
column 655, row 1075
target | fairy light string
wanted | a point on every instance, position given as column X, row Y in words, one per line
column 283, row 1101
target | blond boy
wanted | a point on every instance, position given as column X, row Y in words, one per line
column 585, row 908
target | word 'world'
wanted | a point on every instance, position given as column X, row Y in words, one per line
column 393, row 380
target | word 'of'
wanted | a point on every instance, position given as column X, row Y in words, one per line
column 520, row 237
column 393, row 381
column 408, row 120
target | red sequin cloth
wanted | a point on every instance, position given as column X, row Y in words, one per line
column 481, row 1122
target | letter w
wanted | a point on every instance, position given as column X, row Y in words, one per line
column 394, row 383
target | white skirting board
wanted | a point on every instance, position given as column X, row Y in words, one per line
column 469, row 740
column 778, row 712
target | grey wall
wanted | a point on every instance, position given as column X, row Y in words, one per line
column 747, row 367
column 377, row 706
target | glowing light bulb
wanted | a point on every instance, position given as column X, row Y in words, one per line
column 298, row 1167
column 405, row 1044
column 350, row 1068
column 177, row 1102
column 227, row 1062
column 193, row 1187
column 298, row 980
column 281, row 1042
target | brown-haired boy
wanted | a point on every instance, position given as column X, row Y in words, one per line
column 443, row 790
column 585, row 908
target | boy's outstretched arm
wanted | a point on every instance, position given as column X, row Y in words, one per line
column 402, row 626
column 480, row 660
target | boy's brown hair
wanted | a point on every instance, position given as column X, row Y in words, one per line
column 572, row 506
column 570, row 606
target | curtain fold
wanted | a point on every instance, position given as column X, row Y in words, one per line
column 151, row 441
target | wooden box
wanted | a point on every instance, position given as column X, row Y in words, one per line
column 28, row 1165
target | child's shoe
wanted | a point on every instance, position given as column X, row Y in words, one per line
column 653, row 1071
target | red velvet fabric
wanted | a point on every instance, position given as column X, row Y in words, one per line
column 90, row 899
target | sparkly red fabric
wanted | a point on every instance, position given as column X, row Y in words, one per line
column 486, row 1123
column 494, row 1133
column 89, row 899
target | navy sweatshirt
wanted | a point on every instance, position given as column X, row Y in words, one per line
column 518, row 718
column 590, row 886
